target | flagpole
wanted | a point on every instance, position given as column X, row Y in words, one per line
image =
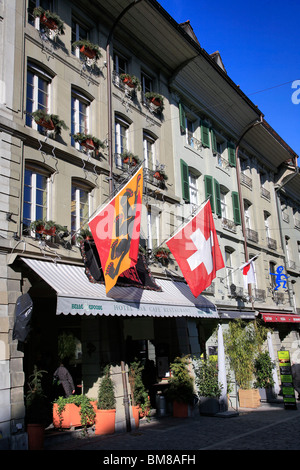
column 250, row 260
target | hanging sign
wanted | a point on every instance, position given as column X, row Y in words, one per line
column 285, row 369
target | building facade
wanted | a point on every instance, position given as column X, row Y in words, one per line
column 208, row 138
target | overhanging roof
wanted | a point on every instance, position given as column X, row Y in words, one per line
column 280, row 318
column 76, row 295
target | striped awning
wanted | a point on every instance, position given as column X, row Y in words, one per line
column 77, row 295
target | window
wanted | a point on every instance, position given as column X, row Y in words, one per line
column 79, row 32
column 228, row 267
column 223, row 203
column 247, row 206
column 79, row 115
column 149, row 152
column 153, row 222
column 146, row 83
column 32, row 4
column 120, row 64
column 36, row 196
column 193, row 190
column 38, row 93
column 80, row 207
column 121, row 138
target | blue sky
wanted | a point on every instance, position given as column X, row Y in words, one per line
column 259, row 42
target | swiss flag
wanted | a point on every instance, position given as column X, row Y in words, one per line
column 197, row 251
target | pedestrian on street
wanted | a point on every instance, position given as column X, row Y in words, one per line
column 296, row 378
column 63, row 375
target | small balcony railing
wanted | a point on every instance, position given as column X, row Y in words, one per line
column 228, row 225
column 246, row 180
column 251, row 235
column 265, row 193
column 222, row 163
column 260, row 295
column 285, row 217
column 272, row 243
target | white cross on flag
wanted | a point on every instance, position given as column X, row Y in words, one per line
column 196, row 250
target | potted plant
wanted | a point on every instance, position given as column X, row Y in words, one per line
column 106, row 405
column 51, row 122
column 208, row 387
column 181, row 388
column 242, row 342
column 162, row 255
column 159, row 173
column 88, row 49
column 88, row 141
column 155, row 99
column 129, row 158
column 49, row 20
column 46, row 227
column 85, row 234
column 73, row 411
column 139, row 395
column 263, row 371
column 130, row 80
column 36, row 410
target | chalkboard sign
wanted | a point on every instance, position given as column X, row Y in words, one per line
column 285, row 369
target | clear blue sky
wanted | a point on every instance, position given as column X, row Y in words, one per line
column 259, row 42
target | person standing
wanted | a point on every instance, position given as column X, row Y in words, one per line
column 63, row 375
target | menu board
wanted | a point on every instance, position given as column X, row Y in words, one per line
column 285, row 369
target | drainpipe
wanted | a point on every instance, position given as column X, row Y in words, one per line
column 238, row 169
column 111, row 184
column 290, row 290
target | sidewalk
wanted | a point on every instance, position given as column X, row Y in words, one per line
column 269, row 427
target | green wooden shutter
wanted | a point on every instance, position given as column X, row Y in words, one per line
column 182, row 118
column 205, row 134
column 213, row 141
column 209, row 190
column 231, row 153
column 236, row 208
column 218, row 198
column 185, row 181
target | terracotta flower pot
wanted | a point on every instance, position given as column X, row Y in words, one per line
column 128, row 82
column 155, row 101
column 105, row 422
column 136, row 415
column 158, row 176
column 48, row 22
column 36, row 433
column 88, row 52
column 47, row 124
column 70, row 416
column 88, row 143
column 180, row 410
column 51, row 231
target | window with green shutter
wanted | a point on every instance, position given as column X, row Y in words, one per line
column 205, row 134
column 236, row 208
column 182, row 118
column 209, row 190
column 231, row 153
column 218, row 198
column 185, row 181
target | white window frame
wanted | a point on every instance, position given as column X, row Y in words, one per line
column 229, row 269
column 153, row 222
column 80, row 98
column 81, row 187
column 121, row 124
column 78, row 25
column 38, row 72
column 149, row 141
column 35, row 170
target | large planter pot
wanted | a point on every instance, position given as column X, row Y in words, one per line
column 88, row 143
column 47, row 124
column 209, row 406
column 70, row 416
column 105, row 422
column 136, row 415
column 36, row 433
column 48, row 22
column 90, row 53
column 180, row 410
column 249, row 398
column 266, row 394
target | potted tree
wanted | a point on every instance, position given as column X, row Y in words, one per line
column 263, row 371
column 49, row 20
column 242, row 342
column 130, row 80
column 88, row 49
column 139, row 394
column 155, row 99
column 106, row 405
column 208, row 387
column 181, row 387
column 36, row 410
